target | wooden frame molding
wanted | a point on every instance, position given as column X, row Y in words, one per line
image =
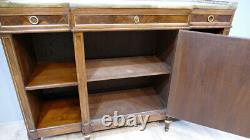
column 81, row 76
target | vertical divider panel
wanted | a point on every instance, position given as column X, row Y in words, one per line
column 10, row 53
column 78, row 38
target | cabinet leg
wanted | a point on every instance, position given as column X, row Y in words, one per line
column 33, row 136
column 36, row 139
column 86, row 131
column 167, row 122
column 86, row 137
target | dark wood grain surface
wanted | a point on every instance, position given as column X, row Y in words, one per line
column 210, row 82
column 119, row 44
column 204, row 18
column 16, row 20
column 22, row 20
column 129, row 19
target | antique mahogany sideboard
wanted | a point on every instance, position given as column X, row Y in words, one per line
column 74, row 62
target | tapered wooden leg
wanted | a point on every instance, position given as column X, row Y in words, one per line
column 30, row 137
column 86, row 137
column 35, row 139
column 86, row 131
column 167, row 122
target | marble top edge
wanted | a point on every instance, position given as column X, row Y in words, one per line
column 8, row 4
column 185, row 4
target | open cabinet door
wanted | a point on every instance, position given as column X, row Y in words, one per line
column 211, row 82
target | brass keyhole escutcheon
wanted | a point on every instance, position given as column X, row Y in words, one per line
column 136, row 19
column 33, row 20
column 210, row 18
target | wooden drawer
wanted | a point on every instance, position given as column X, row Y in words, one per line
column 108, row 22
column 38, row 23
column 129, row 19
column 33, row 19
column 211, row 18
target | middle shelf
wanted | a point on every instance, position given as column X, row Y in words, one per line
column 53, row 75
column 125, row 67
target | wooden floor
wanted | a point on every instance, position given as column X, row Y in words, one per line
column 180, row 130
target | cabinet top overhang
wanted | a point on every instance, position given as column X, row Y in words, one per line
column 171, row 4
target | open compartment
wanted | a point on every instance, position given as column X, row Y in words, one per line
column 55, row 106
column 212, row 30
column 46, row 60
column 128, row 96
column 47, row 66
column 128, row 71
column 124, row 54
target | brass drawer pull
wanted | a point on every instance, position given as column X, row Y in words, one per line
column 33, row 20
column 210, row 18
column 136, row 19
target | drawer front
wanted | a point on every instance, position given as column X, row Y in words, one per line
column 40, row 19
column 211, row 18
column 39, row 23
column 119, row 19
column 33, row 20
column 129, row 21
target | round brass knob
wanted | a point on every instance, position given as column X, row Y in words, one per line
column 210, row 18
column 136, row 19
column 33, row 20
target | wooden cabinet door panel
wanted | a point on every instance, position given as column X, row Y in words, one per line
column 211, row 82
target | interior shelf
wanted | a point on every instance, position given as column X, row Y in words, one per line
column 56, row 112
column 124, row 101
column 126, row 67
column 52, row 75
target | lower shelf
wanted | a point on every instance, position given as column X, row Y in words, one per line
column 56, row 112
column 124, row 101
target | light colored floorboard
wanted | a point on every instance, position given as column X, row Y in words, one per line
column 13, row 131
column 180, row 130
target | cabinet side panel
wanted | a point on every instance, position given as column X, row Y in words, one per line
column 18, row 80
column 25, row 55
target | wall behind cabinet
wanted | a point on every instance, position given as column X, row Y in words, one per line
column 9, row 107
column 241, row 22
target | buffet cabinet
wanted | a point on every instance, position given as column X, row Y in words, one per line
column 71, row 66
